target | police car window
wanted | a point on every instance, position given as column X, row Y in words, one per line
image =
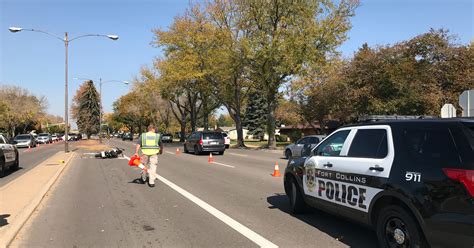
column 369, row 143
column 431, row 147
column 2, row 141
column 332, row 146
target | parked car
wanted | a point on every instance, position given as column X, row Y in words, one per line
column 226, row 140
column 295, row 149
column 54, row 138
column 24, row 140
column 199, row 142
column 127, row 136
column 167, row 138
column 44, row 138
column 9, row 156
column 411, row 180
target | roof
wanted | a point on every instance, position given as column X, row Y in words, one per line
column 300, row 126
column 413, row 121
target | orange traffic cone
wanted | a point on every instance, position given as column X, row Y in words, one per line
column 177, row 151
column 210, row 159
column 276, row 171
column 37, row 145
column 29, row 149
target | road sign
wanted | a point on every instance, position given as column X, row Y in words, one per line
column 448, row 111
column 466, row 101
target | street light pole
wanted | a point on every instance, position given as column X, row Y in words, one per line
column 100, row 111
column 66, row 114
column 66, row 41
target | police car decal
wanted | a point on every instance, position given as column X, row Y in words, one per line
column 341, row 188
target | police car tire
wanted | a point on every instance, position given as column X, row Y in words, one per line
column 2, row 162
column 185, row 149
column 16, row 165
column 288, row 154
column 398, row 214
column 297, row 204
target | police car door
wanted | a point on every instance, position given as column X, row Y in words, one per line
column 346, row 168
column 8, row 150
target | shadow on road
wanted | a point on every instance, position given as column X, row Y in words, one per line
column 349, row 233
column 3, row 219
column 10, row 171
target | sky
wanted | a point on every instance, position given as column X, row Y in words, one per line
column 36, row 61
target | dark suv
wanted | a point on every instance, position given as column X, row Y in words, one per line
column 199, row 142
column 412, row 180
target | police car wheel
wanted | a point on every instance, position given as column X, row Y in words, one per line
column 2, row 162
column 185, row 149
column 288, row 154
column 397, row 228
column 297, row 204
column 16, row 165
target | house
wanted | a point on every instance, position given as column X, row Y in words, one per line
column 232, row 132
column 307, row 129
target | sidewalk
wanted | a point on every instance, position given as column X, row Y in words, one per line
column 19, row 198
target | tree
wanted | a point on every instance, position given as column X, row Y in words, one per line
column 224, row 120
column 414, row 77
column 86, row 109
column 189, row 53
column 23, row 110
column 255, row 115
column 286, row 37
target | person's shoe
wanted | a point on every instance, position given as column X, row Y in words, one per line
column 151, row 185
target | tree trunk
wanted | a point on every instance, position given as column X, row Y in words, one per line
column 183, row 127
column 271, row 107
column 205, row 115
column 240, row 132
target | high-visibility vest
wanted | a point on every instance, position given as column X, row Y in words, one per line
column 150, row 143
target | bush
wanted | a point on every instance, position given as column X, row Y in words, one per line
column 281, row 138
column 295, row 135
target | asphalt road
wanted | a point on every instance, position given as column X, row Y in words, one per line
column 234, row 202
column 30, row 158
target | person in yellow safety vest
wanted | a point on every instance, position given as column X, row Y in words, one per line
column 151, row 145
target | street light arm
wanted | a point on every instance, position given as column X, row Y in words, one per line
column 113, row 37
column 44, row 32
column 118, row 81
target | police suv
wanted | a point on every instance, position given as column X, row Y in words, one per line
column 411, row 180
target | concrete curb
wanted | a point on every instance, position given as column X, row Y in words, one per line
column 20, row 219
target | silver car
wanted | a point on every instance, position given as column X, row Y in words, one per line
column 25, row 140
column 44, row 138
column 296, row 149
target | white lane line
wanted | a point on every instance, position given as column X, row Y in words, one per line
column 236, row 154
column 169, row 152
column 226, row 165
column 253, row 236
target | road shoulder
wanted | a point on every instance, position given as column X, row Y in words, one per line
column 21, row 196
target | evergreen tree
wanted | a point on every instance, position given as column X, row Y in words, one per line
column 256, row 115
column 86, row 109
